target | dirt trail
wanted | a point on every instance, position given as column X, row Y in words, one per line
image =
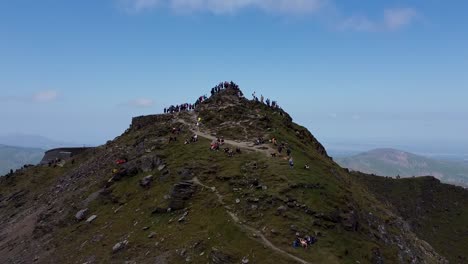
column 265, row 149
column 248, row 228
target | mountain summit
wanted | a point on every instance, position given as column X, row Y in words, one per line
column 231, row 181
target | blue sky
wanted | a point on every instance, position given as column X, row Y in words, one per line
column 388, row 72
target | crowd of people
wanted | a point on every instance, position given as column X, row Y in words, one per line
column 226, row 85
column 215, row 90
column 189, row 107
column 268, row 102
column 179, row 108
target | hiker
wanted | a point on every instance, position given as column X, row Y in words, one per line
column 310, row 240
column 273, row 140
column 280, row 149
column 238, row 150
column 198, row 121
column 291, row 162
column 261, row 98
column 288, row 152
column 195, row 138
column 268, row 102
column 222, row 141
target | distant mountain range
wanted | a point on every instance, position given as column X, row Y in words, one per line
column 12, row 158
column 32, row 141
column 392, row 162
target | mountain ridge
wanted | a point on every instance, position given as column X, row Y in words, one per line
column 157, row 194
column 394, row 162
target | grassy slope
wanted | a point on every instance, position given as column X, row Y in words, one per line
column 437, row 212
column 207, row 222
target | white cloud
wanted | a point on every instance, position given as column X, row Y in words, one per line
column 45, row 96
column 141, row 102
column 393, row 19
column 358, row 23
column 227, row 6
column 399, row 17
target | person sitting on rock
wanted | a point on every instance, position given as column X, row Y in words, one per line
column 303, row 242
column 230, row 153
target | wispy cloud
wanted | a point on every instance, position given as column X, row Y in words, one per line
column 141, row 102
column 226, row 6
column 393, row 19
column 399, row 17
column 45, row 96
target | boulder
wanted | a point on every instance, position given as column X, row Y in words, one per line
column 119, row 246
column 81, row 214
column 219, row 257
column 91, row 218
column 349, row 221
column 146, row 181
column 181, row 193
column 280, row 210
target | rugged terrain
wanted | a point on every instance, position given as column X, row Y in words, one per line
column 392, row 162
column 436, row 212
column 184, row 203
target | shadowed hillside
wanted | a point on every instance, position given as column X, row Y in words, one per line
column 437, row 212
column 157, row 194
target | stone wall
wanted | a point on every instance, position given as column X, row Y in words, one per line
column 143, row 121
column 61, row 153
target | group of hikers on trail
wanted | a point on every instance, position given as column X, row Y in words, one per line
column 215, row 144
column 179, row 108
column 268, row 102
column 193, row 139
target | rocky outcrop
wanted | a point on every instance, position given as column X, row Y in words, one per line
column 181, row 193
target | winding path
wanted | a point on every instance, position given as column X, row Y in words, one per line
column 248, row 228
column 265, row 149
